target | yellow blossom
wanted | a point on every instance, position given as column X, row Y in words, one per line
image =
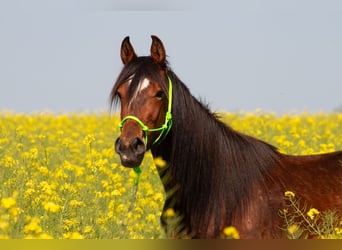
column 169, row 212
column 45, row 236
column 4, row 225
column 9, row 162
column 8, row 202
column 289, row 194
column 231, row 232
column 88, row 229
column 34, row 153
column 76, row 203
column 89, row 139
column 312, row 213
column 292, row 229
column 73, row 236
column 52, row 207
column 116, row 193
column 33, row 226
column 160, row 162
column 158, row 197
column 151, row 218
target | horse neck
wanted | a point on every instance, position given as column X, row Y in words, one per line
column 211, row 164
column 193, row 146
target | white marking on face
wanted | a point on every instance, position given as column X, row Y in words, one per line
column 130, row 79
column 143, row 84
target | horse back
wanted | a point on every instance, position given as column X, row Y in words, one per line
column 316, row 181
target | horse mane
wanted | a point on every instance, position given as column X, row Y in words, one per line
column 212, row 164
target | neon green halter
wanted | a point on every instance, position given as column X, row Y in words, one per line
column 164, row 129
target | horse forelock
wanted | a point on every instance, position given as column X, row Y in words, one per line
column 137, row 73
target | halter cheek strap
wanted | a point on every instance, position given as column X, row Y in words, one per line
column 164, row 129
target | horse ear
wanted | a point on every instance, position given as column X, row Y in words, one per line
column 127, row 51
column 157, row 50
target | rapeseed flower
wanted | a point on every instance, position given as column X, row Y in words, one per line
column 169, row 212
column 73, row 236
column 312, row 213
column 231, row 233
column 160, row 162
column 62, row 179
column 52, row 207
column 8, row 202
column 289, row 194
column 293, row 229
column 33, row 226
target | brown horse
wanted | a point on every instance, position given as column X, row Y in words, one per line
column 216, row 176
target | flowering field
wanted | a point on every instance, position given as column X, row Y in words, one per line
column 60, row 177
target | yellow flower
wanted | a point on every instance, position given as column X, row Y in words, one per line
column 159, row 197
column 8, row 202
column 170, row 212
column 89, row 139
column 231, row 232
column 45, row 236
column 312, row 213
column 88, row 229
column 4, row 225
column 33, row 226
column 151, row 218
column 292, row 229
column 73, row 235
column 160, row 162
column 338, row 230
column 34, row 153
column 289, row 194
column 52, row 207
column 69, row 223
column 76, row 203
column 9, row 162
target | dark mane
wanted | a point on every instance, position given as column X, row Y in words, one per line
column 205, row 160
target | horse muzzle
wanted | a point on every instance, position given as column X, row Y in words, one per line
column 131, row 151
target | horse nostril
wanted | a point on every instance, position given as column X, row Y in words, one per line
column 138, row 146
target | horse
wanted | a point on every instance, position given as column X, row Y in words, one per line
column 215, row 175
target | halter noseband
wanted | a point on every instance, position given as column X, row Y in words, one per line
column 164, row 129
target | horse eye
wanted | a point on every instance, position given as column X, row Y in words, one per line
column 160, row 94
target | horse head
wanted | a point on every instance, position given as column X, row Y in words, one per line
column 144, row 92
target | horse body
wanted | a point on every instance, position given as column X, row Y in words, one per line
column 215, row 176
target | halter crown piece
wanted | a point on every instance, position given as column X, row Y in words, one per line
column 164, row 129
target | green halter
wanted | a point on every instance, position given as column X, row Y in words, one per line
column 164, row 129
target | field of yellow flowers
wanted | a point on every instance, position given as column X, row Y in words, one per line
column 60, row 177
